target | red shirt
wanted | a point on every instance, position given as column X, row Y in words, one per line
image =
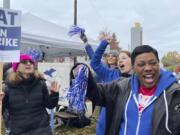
column 147, row 91
column 145, row 95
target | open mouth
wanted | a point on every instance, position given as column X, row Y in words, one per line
column 122, row 67
column 149, row 79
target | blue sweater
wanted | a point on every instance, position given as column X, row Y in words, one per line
column 133, row 123
column 90, row 53
column 107, row 74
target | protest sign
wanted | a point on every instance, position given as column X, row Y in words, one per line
column 10, row 35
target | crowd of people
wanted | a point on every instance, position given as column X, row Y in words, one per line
column 136, row 95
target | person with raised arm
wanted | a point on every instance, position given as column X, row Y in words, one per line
column 147, row 103
column 26, row 98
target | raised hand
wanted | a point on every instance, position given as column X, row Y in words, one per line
column 109, row 39
column 54, row 87
column 83, row 37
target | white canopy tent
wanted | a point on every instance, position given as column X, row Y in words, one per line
column 49, row 38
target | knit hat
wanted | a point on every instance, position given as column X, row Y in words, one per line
column 22, row 57
column 116, row 53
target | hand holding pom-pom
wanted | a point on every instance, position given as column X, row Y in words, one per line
column 83, row 37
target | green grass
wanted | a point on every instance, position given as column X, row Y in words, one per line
column 64, row 130
column 88, row 130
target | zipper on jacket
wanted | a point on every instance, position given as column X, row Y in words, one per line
column 139, row 115
column 139, row 121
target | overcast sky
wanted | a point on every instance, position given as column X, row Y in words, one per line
column 160, row 19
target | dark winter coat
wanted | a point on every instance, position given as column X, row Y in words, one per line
column 27, row 103
column 114, row 96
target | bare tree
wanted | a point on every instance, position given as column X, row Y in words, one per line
column 114, row 44
column 105, row 32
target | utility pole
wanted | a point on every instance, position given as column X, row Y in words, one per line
column 75, row 22
column 75, row 12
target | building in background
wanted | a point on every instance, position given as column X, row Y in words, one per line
column 136, row 36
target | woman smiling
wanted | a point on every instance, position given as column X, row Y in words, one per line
column 26, row 97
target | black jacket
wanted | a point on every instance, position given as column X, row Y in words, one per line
column 114, row 96
column 27, row 103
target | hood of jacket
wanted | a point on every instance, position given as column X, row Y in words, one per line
column 166, row 79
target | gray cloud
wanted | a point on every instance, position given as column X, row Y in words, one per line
column 159, row 19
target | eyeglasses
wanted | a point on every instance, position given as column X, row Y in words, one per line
column 26, row 61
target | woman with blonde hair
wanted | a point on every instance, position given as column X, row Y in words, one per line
column 111, row 59
column 26, row 97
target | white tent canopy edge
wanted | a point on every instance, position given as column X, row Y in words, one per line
column 49, row 38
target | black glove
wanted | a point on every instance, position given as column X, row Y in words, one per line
column 83, row 37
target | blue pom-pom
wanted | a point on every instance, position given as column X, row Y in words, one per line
column 35, row 54
column 77, row 91
column 75, row 30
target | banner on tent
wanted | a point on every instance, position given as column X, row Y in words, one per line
column 10, row 35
